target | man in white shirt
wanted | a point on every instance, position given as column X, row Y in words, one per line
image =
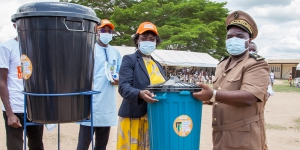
column 272, row 77
column 11, row 88
column 104, row 104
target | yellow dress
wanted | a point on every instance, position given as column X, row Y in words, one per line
column 133, row 132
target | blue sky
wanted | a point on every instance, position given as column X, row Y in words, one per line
column 278, row 24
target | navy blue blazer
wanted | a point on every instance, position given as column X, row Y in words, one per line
column 134, row 77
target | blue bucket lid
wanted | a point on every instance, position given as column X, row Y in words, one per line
column 55, row 9
column 174, row 85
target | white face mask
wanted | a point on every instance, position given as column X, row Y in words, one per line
column 147, row 47
column 235, row 46
column 252, row 52
column 105, row 38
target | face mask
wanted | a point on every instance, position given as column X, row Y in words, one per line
column 251, row 52
column 147, row 47
column 235, row 46
column 105, row 38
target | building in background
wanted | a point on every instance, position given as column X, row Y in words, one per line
column 283, row 67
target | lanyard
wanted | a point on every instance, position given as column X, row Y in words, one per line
column 114, row 61
column 105, row 54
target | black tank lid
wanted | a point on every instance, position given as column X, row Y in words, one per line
column 57, row 9
column 174, row 85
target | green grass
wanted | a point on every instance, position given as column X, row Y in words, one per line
column 285, row 87
column 279, row 127
column 297, row 121
column 297, row 128
column 275, row 127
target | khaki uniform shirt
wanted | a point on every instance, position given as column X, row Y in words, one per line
column 234, row 127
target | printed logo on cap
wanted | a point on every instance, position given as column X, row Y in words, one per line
column 106, row 21
column 148, row 26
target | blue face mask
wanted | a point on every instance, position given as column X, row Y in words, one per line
column 147, row 47
column 105, row 38
column 235, row 46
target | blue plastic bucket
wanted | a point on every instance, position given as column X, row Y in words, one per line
column 175, row 121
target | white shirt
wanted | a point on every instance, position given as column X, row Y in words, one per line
column 270, row 90
column 105, row 103
column 272, row 75
column 10, row 59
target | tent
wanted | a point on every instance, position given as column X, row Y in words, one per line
column 184, row 58
column 176, row 58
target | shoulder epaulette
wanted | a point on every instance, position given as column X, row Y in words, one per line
column 256, row 57
column 223, row 59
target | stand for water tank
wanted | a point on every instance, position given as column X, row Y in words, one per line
column 63, row 94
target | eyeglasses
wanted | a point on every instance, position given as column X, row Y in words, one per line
column 253, row 50
column 105, row 31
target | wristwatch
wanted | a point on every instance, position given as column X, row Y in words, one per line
column 213, row 97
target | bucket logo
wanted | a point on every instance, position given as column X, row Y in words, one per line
column 20, row 76
column 26, row 67
column 183, row 125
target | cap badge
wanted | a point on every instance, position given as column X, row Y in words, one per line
column 236, row 15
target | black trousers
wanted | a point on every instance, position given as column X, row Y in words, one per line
column 14, row 136
column 101, row 137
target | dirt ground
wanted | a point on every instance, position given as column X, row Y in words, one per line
column 281, row 114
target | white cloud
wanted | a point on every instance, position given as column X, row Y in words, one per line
column 277, row 14
column 7, row 9
column 260, row 3
column 298, row 34
column 278, row 25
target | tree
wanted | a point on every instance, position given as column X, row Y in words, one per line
column 195, row 25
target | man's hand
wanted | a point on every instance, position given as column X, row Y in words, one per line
column 13, row 120
column 147, row 96
column 207, row 103
column 205, row 94
column 116, row 82
column 268, row 95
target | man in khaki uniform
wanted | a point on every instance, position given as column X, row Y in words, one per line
column 239, row 90
column 253, row 49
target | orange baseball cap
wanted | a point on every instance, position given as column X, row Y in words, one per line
column 105, row 22
column 146, row 26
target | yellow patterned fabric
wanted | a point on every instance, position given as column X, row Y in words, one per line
column 133, row 134
column 153, row 71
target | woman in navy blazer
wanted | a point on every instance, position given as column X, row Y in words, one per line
column 133, row 78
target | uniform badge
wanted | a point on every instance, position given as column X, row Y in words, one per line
column 223, row 59
column 236, row 15
column 256, row 57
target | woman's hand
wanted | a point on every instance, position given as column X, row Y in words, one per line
column 147, row 96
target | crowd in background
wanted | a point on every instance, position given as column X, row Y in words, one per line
column 192, row 74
